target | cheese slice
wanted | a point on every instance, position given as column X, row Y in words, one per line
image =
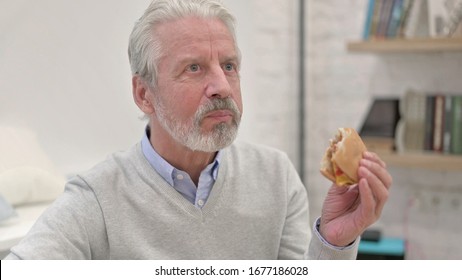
column 341, row 179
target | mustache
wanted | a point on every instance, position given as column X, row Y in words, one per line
column 219, row 104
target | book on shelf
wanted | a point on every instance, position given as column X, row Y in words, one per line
column 395, row 18
column 410, row 129
column 384, row 19
column 375, row 6
column 407, row 8
column 456, row 138
column 438, row 122
column 379, row 18
column 448, row 118
column 430, row 122
column 368, row 22
column 387, row 19
column 417, row 23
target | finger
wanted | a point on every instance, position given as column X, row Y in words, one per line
column 377, row 188
column 378, row 170
column 375, row 158
column 368, row 203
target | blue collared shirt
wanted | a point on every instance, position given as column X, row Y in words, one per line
column 179, row 179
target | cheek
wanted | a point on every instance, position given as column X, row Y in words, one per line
column 185, row 103
column 179, row 99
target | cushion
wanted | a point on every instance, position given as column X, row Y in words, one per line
column 27, row 184
column 20, row 146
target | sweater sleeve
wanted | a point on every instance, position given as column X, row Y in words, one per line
column 297, row 240
column 71, row 228
column 296, row 233
column 320, row 249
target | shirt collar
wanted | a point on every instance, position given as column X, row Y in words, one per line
column 162, row 167
column 165, row 169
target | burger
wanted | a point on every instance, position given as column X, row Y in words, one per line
column 340, row 162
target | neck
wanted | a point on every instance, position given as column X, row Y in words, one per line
column 180, row 156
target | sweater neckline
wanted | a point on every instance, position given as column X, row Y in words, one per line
column 154, row 180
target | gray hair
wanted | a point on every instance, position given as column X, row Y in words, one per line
column 145, row 50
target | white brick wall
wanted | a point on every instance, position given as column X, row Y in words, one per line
column 425, row 209
column 424, row 206
column 269, row 72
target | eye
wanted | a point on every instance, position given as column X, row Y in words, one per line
column 229, row 67
column 193, row 67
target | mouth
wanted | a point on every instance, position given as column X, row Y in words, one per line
column 220, row 115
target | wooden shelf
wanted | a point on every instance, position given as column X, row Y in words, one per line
column 407, row 45
column 429, row 161
column 422, row 160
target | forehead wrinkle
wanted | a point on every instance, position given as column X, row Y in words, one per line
column 215, row 31
column 210, row 38
column 212, row 30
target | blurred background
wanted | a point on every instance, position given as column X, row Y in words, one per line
column 66, row 103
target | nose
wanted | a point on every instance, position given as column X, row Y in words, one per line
column 217, row 84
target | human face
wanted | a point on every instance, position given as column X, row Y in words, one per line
column 197, row 97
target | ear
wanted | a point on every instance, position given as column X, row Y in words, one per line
column 142, row 95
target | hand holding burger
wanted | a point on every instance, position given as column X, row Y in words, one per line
column 360, row 190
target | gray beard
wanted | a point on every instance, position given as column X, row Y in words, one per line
column 189, row 133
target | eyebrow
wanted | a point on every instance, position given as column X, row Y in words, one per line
column 187, row 58
column 233, row 57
